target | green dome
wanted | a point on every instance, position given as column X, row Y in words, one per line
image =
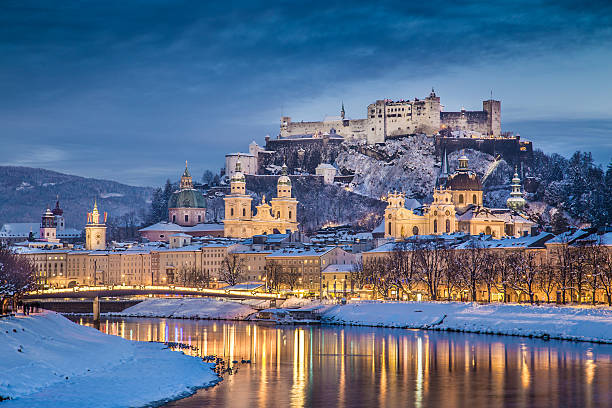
column 189, row 198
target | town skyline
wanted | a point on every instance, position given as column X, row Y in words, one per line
column 215, row 80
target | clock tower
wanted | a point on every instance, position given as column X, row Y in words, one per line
column 95, row 230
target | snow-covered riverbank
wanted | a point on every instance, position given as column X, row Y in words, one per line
column 189, row 308
column 569, row 323
column 560, row 322
column 48, row 361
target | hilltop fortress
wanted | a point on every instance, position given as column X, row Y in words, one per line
column 386, row 119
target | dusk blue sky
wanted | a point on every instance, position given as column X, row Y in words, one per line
column 129, row 90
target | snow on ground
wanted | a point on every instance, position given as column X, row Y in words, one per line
column 48, row 361
column 198, row 308
column 570, row 323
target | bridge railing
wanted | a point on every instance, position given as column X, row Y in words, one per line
column 145, row 289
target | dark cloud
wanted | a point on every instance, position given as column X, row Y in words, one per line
column 147, row 83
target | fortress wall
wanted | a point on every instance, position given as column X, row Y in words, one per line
column 476, row 121
column 513, row 151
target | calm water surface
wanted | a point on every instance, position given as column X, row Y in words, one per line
column 295, row 366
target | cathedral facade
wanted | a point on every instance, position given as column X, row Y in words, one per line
column 457, row 207
column 277, row 216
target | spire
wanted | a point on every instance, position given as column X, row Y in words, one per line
column 95, row 205
column 186, row 172
column 342, row 113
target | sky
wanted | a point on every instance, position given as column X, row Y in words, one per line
column 129, row 90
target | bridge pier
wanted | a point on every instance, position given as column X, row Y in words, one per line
column 96, row 309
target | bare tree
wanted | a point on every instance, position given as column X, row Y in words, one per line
column 593, row 261
column 17, row 276
column 504, row 274
column 274, row 276
column 291, row 277
column 524, row 272
column 606, row 275
column 565, row 260
column 400, row 268
column 450, row 273
column 490, row 271
column 547, row 278
column 193, row 276
column 232, row 269
column 471, row 261
column 429, row 260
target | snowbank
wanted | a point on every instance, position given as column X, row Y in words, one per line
column 48, row 361
column 570, row 323
column 185, row 308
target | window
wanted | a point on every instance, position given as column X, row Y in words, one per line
column 415, row 230
column 231, row 212
column 278, row 214
column 447, row 225
column 474, row 199
column 173, row 218
column 488, row 231
column 460, row 198
column 244, row 212
column 186, row 218
column 389, row 228
column 199, row 218
column 289, row 214
column 435, row 226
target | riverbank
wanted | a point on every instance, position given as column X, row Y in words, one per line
column 188, row 308
column 557, row 322
column 48, row 361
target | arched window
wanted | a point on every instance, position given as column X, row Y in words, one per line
column 488, row 231
column 278, row 214
column 415, row 230
column 199, row 218
column 460, row 198
column 244, row 212
column 435, row 226
column 447, row 225
column 474, row 199
column 289, row 214
column 231, row 212
column 173, row 218
column 403, row 231
column 389, row 228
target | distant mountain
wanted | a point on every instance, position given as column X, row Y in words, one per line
column 25, row 193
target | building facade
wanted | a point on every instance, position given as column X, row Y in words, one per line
column 457, row 207
column 278, row 216
column 95, row 230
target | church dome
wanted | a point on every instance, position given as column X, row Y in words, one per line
column 464, row 181
column 187, row 199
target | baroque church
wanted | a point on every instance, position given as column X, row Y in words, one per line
column 457, row 207
column 277, row 216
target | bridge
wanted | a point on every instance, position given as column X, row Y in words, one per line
column 116, row 291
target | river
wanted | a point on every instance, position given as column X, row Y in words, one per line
column 295, row 366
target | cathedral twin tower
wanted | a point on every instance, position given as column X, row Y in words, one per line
column 279, row 216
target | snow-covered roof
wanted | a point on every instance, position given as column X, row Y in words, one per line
column 339, row 268
column 180, row 234
column 326, row 166
column 241, row 154
column 569, row 236
column 297, row 252
column 169, row 226
column 531, row 241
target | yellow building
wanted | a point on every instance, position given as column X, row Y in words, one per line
column 457, row 207
column 278, row 216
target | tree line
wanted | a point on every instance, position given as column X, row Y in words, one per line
column 569, row 273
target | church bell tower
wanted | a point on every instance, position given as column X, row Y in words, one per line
column 95, row 230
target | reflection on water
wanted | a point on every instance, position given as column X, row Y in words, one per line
column 295, row 366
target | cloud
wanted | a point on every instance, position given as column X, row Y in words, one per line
column 153, row 82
